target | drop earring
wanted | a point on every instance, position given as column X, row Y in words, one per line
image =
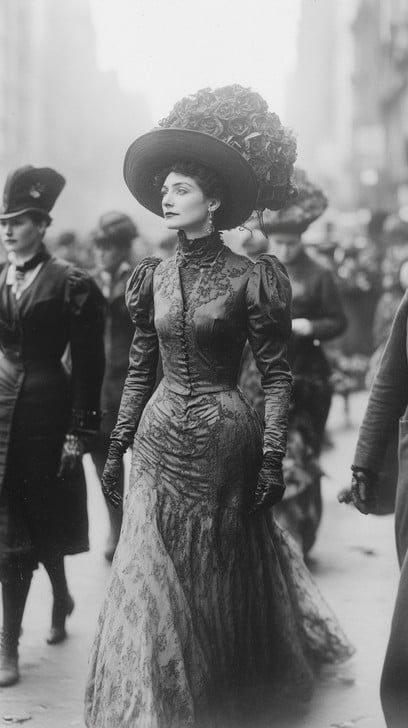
column 210, row 225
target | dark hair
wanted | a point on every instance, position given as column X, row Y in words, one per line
column 36, row 216
column 209, row 181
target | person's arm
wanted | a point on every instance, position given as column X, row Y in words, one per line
column 388, row 397
column 269, row 327
column 141, row 376
column 85, row 306
column 331, row 320
column 387, row 402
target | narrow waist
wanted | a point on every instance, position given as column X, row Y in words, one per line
column 197, row 389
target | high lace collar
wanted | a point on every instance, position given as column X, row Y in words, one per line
column 200, row 252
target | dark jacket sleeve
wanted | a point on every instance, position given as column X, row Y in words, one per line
column 331, row 321
column 86, row 311
column 144, row 352
column 388, row 397
column 269, row 326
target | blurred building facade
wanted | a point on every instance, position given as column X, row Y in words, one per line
column 348, row 100
column 319, row 97
column 57, row 108
column 380, row 128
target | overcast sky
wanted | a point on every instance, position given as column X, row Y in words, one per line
column 169, row 48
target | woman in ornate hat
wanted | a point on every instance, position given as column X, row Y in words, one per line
column 46, row 416
column 317, row 318
column 207, row 601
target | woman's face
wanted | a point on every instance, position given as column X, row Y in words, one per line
column 185, row 206
column 21, row 235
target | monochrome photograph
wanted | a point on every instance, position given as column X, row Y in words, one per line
column 204, row 363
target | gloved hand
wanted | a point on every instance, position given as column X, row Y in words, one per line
column 363, row 491
column 270, row 486
column 71, row 455
column 111, row 472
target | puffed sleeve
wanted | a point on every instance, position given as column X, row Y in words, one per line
column 388, row 397
column 86, row 307
column 268, row 300
column 144, row 352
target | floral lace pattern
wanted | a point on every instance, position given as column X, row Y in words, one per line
column 204, row 600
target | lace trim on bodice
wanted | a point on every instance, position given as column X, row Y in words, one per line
column 201, row 252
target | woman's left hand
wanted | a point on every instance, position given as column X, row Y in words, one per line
column 270, row 486
column 71, row 455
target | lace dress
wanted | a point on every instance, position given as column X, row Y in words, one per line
column 204, row 600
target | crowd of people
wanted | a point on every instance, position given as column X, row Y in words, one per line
column 216, row 366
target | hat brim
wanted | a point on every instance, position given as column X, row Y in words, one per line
column 16, row 213
column 161, row 148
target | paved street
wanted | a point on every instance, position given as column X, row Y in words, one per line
column 354, row 563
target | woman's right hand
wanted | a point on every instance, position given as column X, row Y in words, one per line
column 111, row 472
column 363, row 492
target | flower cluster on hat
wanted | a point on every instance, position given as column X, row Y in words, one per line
column 240, row 117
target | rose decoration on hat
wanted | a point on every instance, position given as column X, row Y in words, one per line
column 240, row 118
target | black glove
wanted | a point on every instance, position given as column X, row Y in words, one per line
column 270, row 486
column 363, row 491
column 71, row 454
column 111, row 472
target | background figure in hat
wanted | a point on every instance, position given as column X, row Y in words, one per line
column 205, row 592
column 112, row 241
column 317, row 317
column 46, row 417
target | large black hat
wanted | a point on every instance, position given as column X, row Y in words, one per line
column 31, row 189
column 230, row 131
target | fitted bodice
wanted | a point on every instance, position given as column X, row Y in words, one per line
column 199, row 308
column 200, row 316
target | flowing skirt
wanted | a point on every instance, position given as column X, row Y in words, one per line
column 204, row 601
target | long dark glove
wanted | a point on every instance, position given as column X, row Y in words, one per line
column 111, row 472
column 363, row 491
column 270, row 486
column 71, row 455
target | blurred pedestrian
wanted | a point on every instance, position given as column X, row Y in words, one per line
column 112, row 242
column 387, row 408
column 66, row 246
column 208, row 601
column 317, row 317
column 46, row 417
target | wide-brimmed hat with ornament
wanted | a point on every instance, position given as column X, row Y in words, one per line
column 31, row 189
column 230, row 131
column 296, row 217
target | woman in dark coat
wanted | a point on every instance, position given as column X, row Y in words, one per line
column 45, row 417
column 387, row 406
column 317, row 316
